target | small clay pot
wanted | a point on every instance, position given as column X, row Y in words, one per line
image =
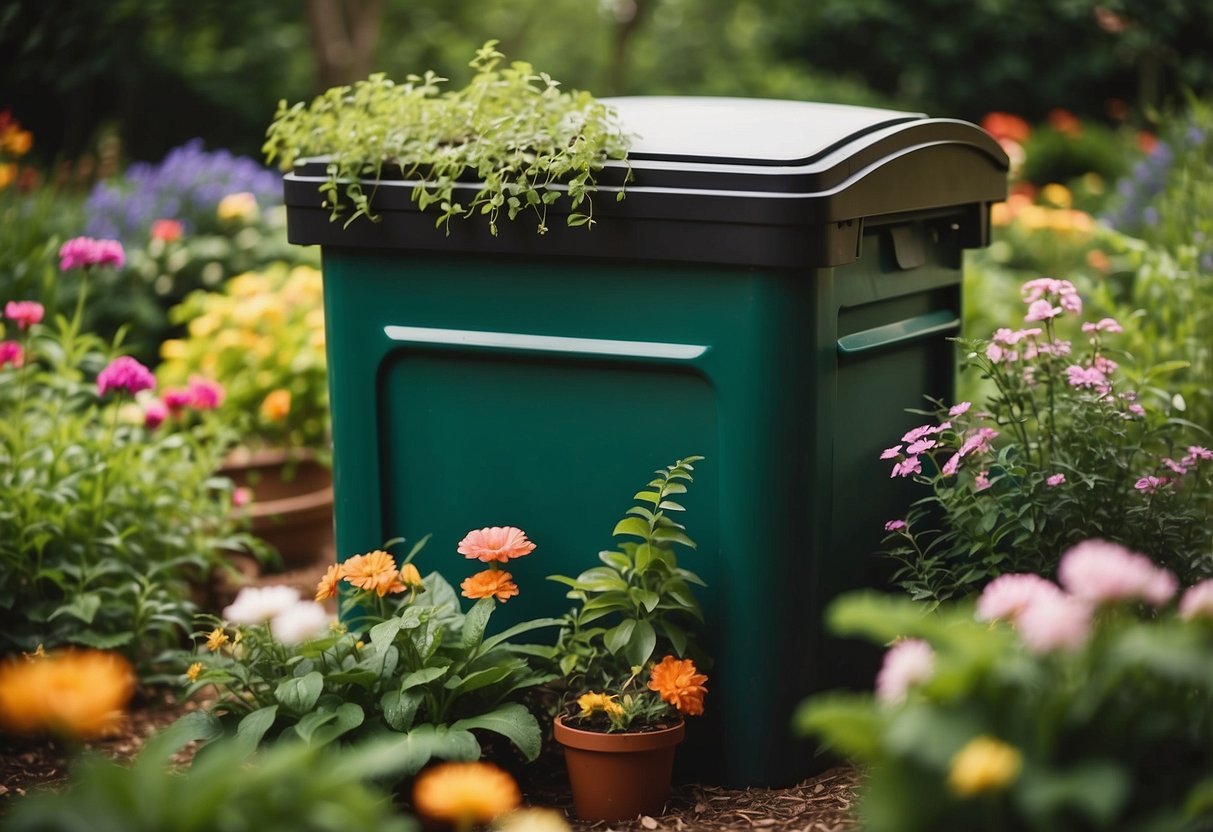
column 619, row 776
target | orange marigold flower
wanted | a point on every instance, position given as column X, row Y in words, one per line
column 679, row 684
column 277, row 405
column 75, row 693
column 410, row 577
column 490, row 582
column 495, row 543
column 374, row 572
column 465, row 793
column 327, row 588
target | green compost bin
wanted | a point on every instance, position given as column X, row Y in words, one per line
column 778, row 286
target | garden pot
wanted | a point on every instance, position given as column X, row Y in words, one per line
column 619, row 776
column 292, row 501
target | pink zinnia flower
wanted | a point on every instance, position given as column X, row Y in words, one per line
column 154, row 414
column 959, row 409
column 1007, row 596
column 495, row 543
column 85, row 251
column 1102, row 572
column 1041, row 310
column 1055, row 480
column 204, row 394
column 11, row 352
column 1197, row 602
column 25, row 313
column 909, row 662
column 125, row 373
column 1054, row 621
column 894, row 525
column 908, row 466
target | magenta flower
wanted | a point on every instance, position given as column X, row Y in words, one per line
column 895, row 525
column 204, row 394
column 1041, row 310
column 959, row 409
column 1137, row 410
column 1101, row 572
column 80, row 252
column 1148, row 485
column 242, row 496
column 1179, row 468
column 177, row 400
column 907, row 663
column 1007, row 596
column 25, row 313
column 1055, row 480
column 978, row 441
column 125, row 373
column 1054, row 621
column 1197, row 453
column 1197, row 602
column 11, row 353
column 1078, row 376
column 154, row 414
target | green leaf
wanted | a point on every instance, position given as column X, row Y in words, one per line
column 364, row 679
column 517, row 630
column 676, row 635
column 252, row 728
column 423, row 677
column 400, row 708
column 616, row 560
column 195, row 726
column 618, row 637
column 300, row 694
column 83, row 607
column 673, row 535
column 649, row 496
column 423, row 743
column 101, row 641
column 475, row 622
column 481, row 678
column 632, row 526
column 512, row 721
column 640, row 646
column 1096, row 789
column 347, row 717
column 645, row 598
column 601, row 579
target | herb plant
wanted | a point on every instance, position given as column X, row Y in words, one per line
column 510, row 141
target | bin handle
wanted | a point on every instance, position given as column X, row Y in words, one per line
column 601, row 347
column 899, row 332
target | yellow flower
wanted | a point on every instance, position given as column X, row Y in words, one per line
column 984, row 764
column 465, row 793
column 8, row 172
column 241, row 206
column 204, row 325
column 216, row 639
column 76, row 693
column 173, row 349
column 592, row 703
column 277, row 405
column 1058, row 196
column 194, row 671
column 532, row 820
column 410, row 577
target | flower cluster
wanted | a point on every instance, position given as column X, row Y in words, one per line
column 375, row 572
column 493, row 545
column 679, row 687
column 82, row 252
column 188, row 186
column 291, row 619
column 14, row 143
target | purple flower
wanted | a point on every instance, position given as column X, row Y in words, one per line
column 125, row 373
column 889, row 453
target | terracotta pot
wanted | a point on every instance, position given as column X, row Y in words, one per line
column 292, row 506
column 618, row 776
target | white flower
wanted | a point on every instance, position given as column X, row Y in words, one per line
column 300, row 622
column 256, row 605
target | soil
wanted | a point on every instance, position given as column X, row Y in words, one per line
column 820, row 804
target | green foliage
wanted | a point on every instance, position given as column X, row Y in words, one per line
column 414, row 664
column 638, row 605
column 511, row 128
column 94, row 550
column 1053, row 155
column 1110, row 735
column 1062, row 449
column 290, row 786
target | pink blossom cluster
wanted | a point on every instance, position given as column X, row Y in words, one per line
column 1178, row 468
column 907, row 663
column 977, row 441
column 1092, row 574
column 24, row 313
column 11, row 352
column 1047, row 298
column 125, row 373
column 918, row 441
column 1103, row 325
column 80, row 252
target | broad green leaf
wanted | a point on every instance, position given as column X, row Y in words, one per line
column 385, row 632
column 347, row 717
column 601, row 579
column 633, row 526
column 423, row 743
column 475, row 621
column 645, row 598
column 310, row 722
column 640, row 645
column 616, row 560
column 252, row 728
column 83, row 607
column 482, row 678
column 846, row 723
column 676, row 635
column 1096, row 789
column 673, row 535
column 300, row 694
column 670, row 505
column 423, row 677
column 649, row 496
column 195, row 726
column 517, row 630
column 400, row 708
column 101, row 641
column 618, row 637
column 512, row 721
column 364, row 679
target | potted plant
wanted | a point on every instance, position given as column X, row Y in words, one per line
column 623, row 710
column 261, row 337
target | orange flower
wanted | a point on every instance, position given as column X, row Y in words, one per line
column 76, row 693
column 1006, row 126
column 495, row 543
column 679, row 684
column 490, row 582
column 374, row 572
column 169, row 231
column 327, row 588
column 465, row 793
column 277, row 405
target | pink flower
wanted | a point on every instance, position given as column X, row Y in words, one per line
column 1007, row 596
column 11, row 353
column 951, row 466
column 1179, row 468
column 1101, row 572
column 1055, row 480
column 1041, row 310
column 982, row 481
column 889, row 453
column 915, row 448
column 25, row 313
column 895, row 525
column 242, row 496
column 1078, row 376
column 909, row 465
column 125, row 373
column 177, row 400
column 1054, row 621
column 1070, row 301
column 1103, row 325
column 1197, row 602
column 1196, row 453
column 154, row 414
column 907, row 663
column 170, row 231
column 1137, row 410
column 495, row 543
column 978, row 441
column 996, row 354
column 85, row 251
column 1148, row 485
column 917, row 433
column 204, row 394
column 1104, row 365
column 959, row 409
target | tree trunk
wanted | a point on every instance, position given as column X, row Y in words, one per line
column 344, row 36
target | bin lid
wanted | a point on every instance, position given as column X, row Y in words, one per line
column 719, row 164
